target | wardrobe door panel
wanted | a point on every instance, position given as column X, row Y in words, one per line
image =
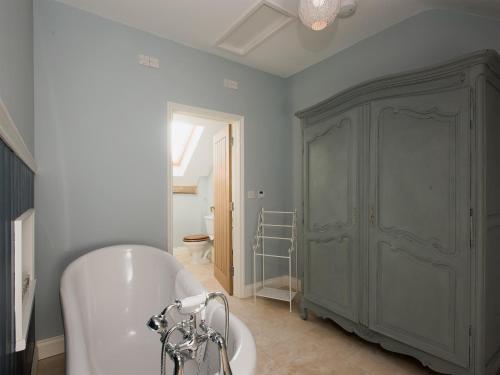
column 419, row 236
column 330, row 158
column 416, row 177
column 331, row 230
column 330, row 282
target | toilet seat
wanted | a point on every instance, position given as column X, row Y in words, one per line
column 196, row 238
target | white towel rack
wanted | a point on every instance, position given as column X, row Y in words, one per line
column 261, row 252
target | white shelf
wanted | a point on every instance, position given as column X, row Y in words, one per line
column 271, row 256
column 276, row 238
column 28, row 300
column 274, row 293
column 24, row 272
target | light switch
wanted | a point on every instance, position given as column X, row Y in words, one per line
column 251, row 194
column 154, row 62
column 230, row 84
column 143, row 60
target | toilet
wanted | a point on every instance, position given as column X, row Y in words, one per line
column 200, row 245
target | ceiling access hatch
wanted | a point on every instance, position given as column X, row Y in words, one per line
column 260, row 22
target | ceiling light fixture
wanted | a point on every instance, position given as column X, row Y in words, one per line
column 318, row 14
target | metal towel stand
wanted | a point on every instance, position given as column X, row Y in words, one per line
column 290, row 220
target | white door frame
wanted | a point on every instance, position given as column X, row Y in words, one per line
column 238, row 184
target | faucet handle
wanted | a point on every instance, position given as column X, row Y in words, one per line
column 193, row 304
column 158, row 324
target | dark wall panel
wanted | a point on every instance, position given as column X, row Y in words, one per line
column 16, row 196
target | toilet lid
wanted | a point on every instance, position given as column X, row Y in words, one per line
column 196, row 238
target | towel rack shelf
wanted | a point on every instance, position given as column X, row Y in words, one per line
column 264, row 289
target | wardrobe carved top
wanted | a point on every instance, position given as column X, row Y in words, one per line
column 452, row 74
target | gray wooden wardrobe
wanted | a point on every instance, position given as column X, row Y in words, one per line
column 401, row 213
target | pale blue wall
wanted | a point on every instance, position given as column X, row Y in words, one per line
column 427, row 38
column 16, row 65
column 189, row 210
column 187, row 213
column 100, row 137
column 207, row 186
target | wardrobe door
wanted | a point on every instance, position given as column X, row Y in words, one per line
column 419, row 236
column 331, row 201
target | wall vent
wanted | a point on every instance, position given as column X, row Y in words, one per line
column 260, row 22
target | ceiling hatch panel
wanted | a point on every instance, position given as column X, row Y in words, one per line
column 254, row 27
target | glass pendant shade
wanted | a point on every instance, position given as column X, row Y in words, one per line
column 318, row 14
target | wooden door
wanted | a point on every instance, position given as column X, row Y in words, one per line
column 419, row 232
column 223, row 239
column 331, row 206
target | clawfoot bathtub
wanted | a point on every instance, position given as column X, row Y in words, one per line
column 107, row 296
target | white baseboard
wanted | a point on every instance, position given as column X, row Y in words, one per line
column 50, row 347
column 276, row 282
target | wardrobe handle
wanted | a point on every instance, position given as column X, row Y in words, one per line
column 372, row 216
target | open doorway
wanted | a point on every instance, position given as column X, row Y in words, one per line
column 205, row 181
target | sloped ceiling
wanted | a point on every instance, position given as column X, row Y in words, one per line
column 201, row 163
column 292, row 48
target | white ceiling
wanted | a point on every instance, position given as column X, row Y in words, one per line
column 200, row 24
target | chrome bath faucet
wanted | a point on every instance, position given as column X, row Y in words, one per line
column 195, row 336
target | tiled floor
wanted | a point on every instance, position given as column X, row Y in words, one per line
column 288, row 345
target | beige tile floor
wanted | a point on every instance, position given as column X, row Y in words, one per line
column 288, row 345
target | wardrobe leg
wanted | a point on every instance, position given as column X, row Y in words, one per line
column 304, row 312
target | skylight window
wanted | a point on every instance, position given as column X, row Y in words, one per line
column 185, row 138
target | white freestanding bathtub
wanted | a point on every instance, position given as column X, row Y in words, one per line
column 107, row 297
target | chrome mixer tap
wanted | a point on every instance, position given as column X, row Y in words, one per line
column 195, row 336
